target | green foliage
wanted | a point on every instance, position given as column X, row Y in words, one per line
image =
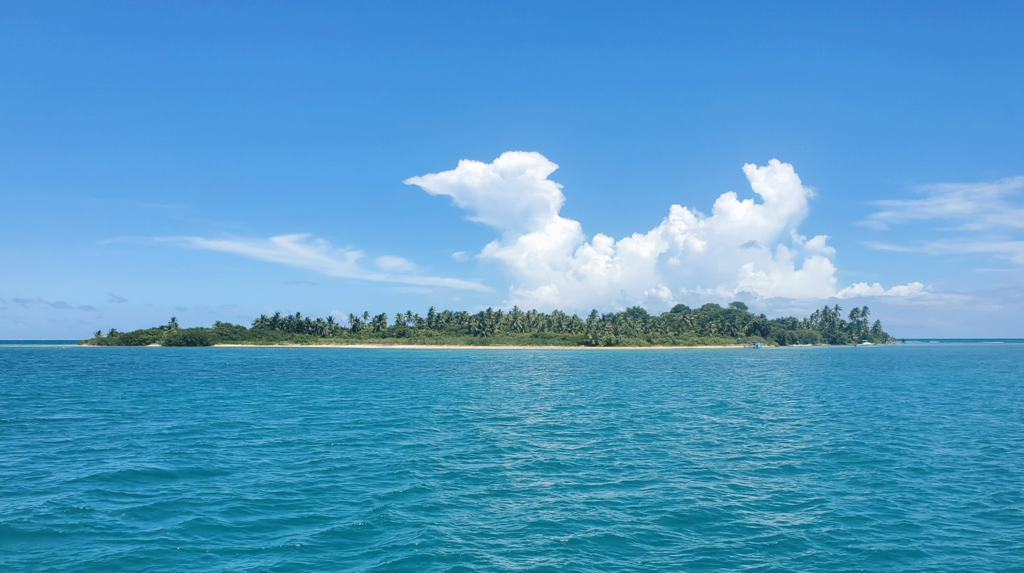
column 140, row 337
column 188, row 337
column 227, row 332
column 711, row 324
column 380, row 323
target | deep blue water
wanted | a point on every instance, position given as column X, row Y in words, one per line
column 902, row 458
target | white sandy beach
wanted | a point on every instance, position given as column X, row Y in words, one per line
column 466, row 347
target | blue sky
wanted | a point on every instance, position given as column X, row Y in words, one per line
column 150, row 154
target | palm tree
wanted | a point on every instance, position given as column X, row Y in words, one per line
column 355, row 324
column 476, row 327
column 173, row 324
column 689, row 321
column 574, row 325
column 515, row 320
column 877, row 333
column 321, row 328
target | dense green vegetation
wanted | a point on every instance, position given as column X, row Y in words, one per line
column 710, row 324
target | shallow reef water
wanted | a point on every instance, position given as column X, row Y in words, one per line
column 892, row 458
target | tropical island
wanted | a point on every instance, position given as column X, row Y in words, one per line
column 709, row 325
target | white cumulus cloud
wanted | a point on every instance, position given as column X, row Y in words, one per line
column 741, row 247
column 864, row 289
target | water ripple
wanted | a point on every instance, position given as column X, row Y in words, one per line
column 151, row 459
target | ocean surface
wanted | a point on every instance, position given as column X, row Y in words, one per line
column 897, row 458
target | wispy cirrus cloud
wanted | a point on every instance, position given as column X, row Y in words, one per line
column 57, row 304
column 1012, row 251
column 114, row 299
column 975, row 206
column 988, row 219
column 306, row 252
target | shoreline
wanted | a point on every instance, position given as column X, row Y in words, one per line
column 474, row 347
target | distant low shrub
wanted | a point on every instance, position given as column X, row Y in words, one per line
column 189, row 337
column 140, row 337
column 798, row 336
column 227, row 332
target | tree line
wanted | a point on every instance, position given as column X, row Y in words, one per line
column 681, row 326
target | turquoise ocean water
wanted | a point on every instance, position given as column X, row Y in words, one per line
column 900, row 458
